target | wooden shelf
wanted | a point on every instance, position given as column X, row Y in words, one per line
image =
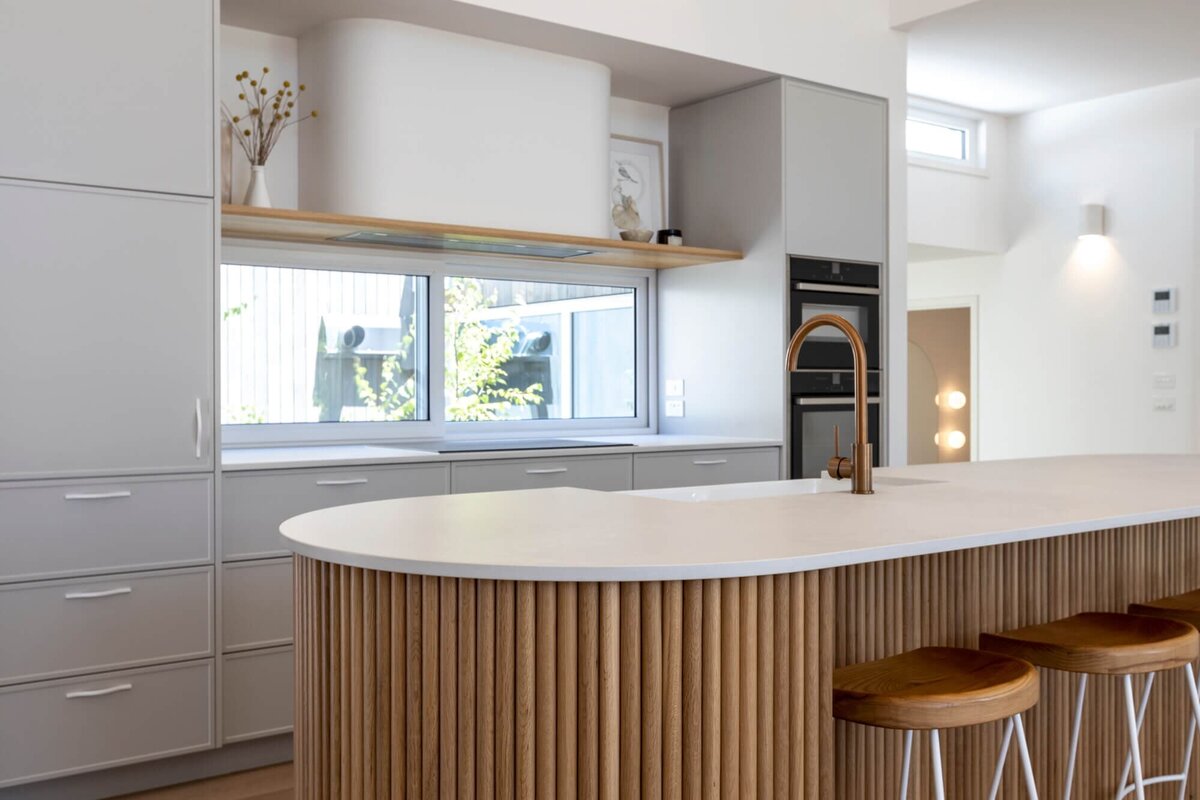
column 309, row 227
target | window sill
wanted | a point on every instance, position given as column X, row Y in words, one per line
column 948, row 166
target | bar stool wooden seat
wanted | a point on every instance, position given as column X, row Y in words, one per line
column 1184, row 608
column 1121, row 645
column 940, row 687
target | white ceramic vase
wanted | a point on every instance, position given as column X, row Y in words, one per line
column 256, row 192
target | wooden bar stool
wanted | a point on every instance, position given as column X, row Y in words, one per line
column 940, row 687
column 1185, row 608
column 1121, row 645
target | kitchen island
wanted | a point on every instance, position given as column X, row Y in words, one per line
column 562, row 642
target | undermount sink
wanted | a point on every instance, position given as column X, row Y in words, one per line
column 749, row 491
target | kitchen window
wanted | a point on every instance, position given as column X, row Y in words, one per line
column 339, row 346
column 936, row 137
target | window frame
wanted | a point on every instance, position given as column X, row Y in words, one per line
column 973, row 125
column 435, row 268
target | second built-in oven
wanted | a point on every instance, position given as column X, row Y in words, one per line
column 850, row 290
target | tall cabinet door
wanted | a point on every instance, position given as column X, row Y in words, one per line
column 108, row 93
column 106, row 365
column 835, row 174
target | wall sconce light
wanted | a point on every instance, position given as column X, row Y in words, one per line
column 1091, row 221
column 956, row 439
column 956, row 399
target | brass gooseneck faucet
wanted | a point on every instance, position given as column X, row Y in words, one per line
column 858, row 467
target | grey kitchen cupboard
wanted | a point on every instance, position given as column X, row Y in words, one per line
column 81, row 724
column 83, row 625
column 256, row 604
column 705, row 467
column 60, row 528
column 253, row 504
column 116, row 93
column 107, row 319
column 605, row 473
column 835, row 174
column 256, row 694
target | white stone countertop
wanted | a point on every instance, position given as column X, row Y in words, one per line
column 581, row 535
column 235, row 459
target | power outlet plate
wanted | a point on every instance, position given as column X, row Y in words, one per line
column 1164, row 380
column 674, row 408
column 1164, row 404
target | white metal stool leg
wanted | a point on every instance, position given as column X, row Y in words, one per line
column 1080, row 693
column 1008, row 731
column 1131, row 726
column 935, row 757
column 906, row 765
column 1187, row 758
column 1123, row 788
column 1026, row 762
column 1194, row 696
column 1014, row 723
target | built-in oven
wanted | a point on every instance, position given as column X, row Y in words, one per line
column 848, row 289
column 822, row 401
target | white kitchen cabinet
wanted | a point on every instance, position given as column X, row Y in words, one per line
column 107, row 320
column 116, row 93
column 609, row 473
column 835, row 174
column 256, row 694
column 705, row 467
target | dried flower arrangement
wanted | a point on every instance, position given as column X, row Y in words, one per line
column 268, row 115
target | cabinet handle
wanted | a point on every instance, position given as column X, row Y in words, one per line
column 97, row 495
column 102, row 593
column 345, row 482
column 199, row 427
column 711, row 462
column 120, row 687
column 547, row 471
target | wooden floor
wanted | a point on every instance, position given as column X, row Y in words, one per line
column 269, row 783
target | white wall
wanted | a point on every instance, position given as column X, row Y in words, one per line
column 243, row 49
column 958, row 209
column 847, row 44
column 422, row 124
column 1065, row 361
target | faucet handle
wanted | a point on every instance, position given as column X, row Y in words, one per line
column 837, row 447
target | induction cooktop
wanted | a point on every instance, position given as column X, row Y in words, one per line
column 488, row 445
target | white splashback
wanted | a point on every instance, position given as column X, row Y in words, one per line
column 422, row 124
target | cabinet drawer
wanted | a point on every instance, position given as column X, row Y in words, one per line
column 704, row 467
column 69, row 627
column 256, row 604
column 48, row 530
column 254, row 505
column 606, row 473
column 257, row 694
column 83, row 724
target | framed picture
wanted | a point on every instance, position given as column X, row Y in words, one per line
column 636, row 171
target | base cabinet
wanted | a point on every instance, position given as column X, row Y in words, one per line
column 257, row 694
column 80, row 724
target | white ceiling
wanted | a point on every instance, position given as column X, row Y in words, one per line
column 639, row 71
column 1014, row 56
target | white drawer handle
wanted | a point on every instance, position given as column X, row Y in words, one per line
column 199, row 427
column 120, row 687
column 97, row 495
column 711, row 462
column 103, row 593
column 547, row 471
column 346, row 482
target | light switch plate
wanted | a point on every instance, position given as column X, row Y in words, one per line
column 673, row 387
column 1164, row 380
column 674, row 408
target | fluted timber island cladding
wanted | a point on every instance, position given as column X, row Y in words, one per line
column 423, row 686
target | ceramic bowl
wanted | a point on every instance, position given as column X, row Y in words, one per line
column 637, row 236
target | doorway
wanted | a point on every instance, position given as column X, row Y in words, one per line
column 942, row 382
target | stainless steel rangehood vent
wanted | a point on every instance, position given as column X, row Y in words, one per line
column 412, row 240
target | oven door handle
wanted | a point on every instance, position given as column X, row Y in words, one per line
column 831, row 401
column 827, row 288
